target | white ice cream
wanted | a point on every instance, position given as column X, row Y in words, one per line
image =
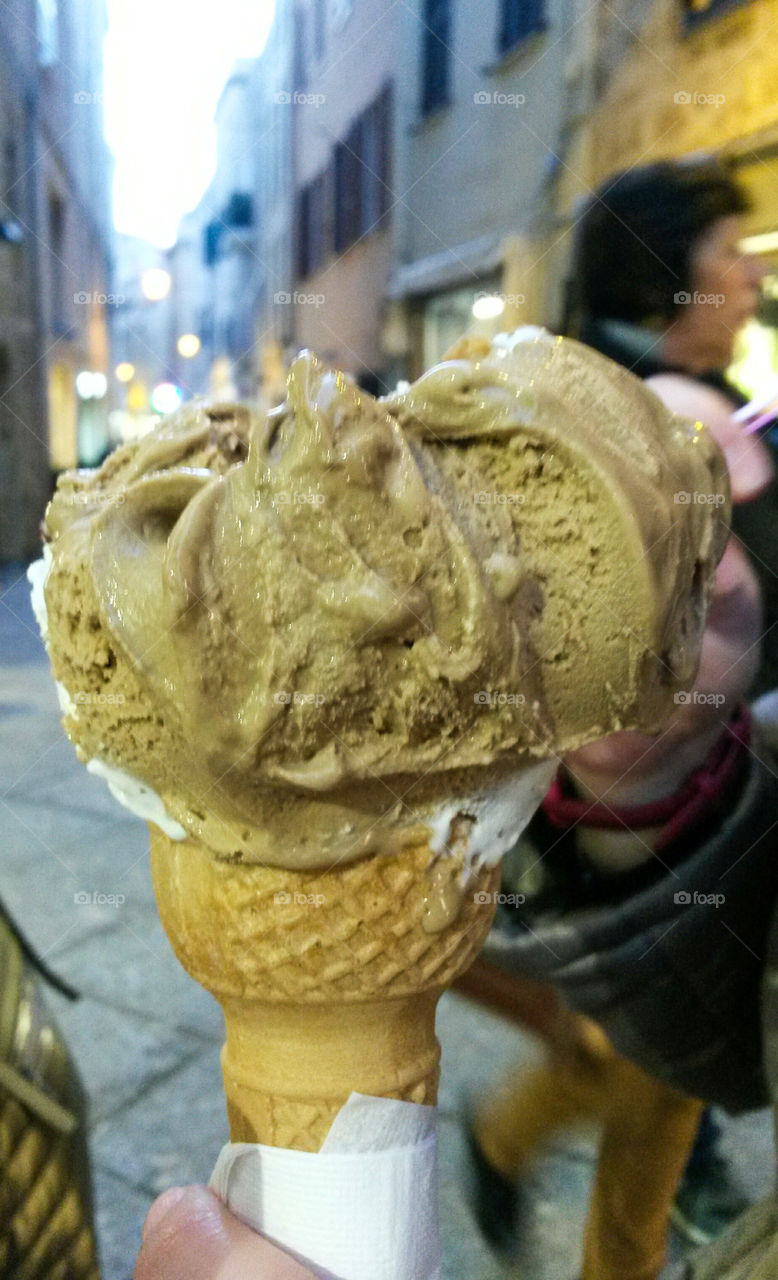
column 499, row 815
column 66, row 704
column 525, row 333
column 37, row 574
column 137, row 797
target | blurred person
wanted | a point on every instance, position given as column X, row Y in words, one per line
column 660, row 285
column 190, row 1235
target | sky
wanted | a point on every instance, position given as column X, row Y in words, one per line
column 165, row 66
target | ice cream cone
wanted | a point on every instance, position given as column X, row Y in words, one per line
column 328, row 979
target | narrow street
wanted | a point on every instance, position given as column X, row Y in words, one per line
column 147, row 1039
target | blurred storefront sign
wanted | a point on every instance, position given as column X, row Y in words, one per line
column 756, row 354
column 479, row 288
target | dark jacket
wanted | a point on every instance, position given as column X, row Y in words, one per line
column 671, row 971
column 679, row 963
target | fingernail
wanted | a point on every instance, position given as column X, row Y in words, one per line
column 162, row 1207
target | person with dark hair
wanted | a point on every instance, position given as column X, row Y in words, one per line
column 638, row 250
column 660, row 285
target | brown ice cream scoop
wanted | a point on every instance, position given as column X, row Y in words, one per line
column 336, row 642
column 307, row 632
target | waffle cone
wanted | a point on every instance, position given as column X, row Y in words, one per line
column 328, row 979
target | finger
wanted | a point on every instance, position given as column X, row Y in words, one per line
column 190, row 1235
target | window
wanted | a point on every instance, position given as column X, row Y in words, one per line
column 57, row 251
column 299, row 51
column 519, row 19
column 376, row 157
column 362, row 173
column 340, row 13
column 10, row 162
column 698, row 11
column 311, row 222
column 13, row 188
column 348, row 188
column 436, row 55
column 211, row 242
column 239, row 211
column 319, row 28
column 205, row 326
column 48, row 42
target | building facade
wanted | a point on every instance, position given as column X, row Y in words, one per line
column 687, row 79
column 485, row 99
column 142, row 332
column 229, row 284
column 274, row 176
column 391, row 176
column 342, row 108
column 232, row 251
column 54, row 256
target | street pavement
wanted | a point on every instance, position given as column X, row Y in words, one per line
column 74, row 873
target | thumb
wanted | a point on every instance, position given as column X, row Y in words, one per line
column 190, row 1235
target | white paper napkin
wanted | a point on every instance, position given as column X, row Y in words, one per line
column 364, row 1207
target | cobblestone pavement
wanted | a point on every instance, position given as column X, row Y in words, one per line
column 147, row 1039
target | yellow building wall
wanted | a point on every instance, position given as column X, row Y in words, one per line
column 63, row 417
column 676, row 92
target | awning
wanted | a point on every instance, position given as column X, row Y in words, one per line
column 466, row 263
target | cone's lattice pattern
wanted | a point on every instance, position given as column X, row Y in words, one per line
column 354, row 932
column 340, row 947
column 303, row 1125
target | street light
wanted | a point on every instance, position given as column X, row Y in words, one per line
column 91, row 385
column 155, row 283
column 188, row 345
column 125, row 371
column 166, row 397
column 488, row 306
